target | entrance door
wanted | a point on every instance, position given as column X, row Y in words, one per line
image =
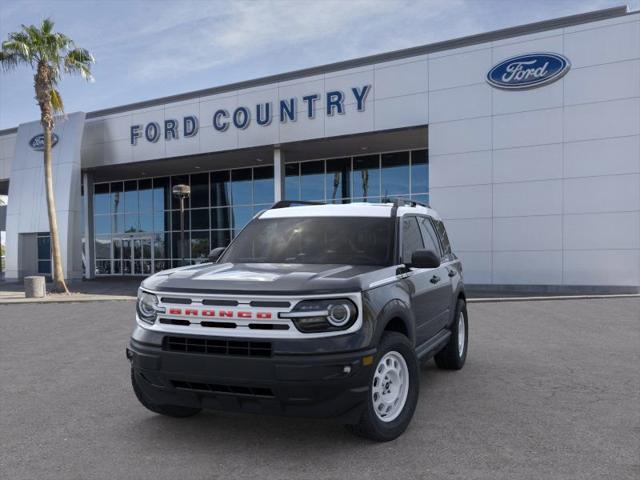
column 133, row 256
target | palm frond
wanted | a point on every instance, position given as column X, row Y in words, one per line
column 79, row 61
column 56, row 101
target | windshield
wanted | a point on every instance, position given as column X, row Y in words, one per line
column 338, row 240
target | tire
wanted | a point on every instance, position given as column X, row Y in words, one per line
column 395, row 354
column 168, row 410
column 450, row 357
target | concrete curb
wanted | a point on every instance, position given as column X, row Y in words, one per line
column 549, row 298
column 69, row 299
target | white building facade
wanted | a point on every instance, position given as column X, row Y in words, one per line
column 526, row 141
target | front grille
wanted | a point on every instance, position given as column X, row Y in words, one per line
column 216, row 388
column 217, row 347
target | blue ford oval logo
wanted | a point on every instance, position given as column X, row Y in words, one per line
column 37, row 142
column 528, row 71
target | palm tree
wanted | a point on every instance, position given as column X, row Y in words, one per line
column 50, row 55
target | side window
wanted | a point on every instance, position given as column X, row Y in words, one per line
column 411, row 238
column 444, row 238
column 429, row 236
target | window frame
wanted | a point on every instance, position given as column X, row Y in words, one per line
column 402, row 236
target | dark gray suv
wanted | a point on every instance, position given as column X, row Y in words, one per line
column 312, row 310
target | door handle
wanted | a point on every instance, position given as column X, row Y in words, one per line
column 452, row 273
column 435, row 279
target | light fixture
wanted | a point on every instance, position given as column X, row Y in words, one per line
column 259, row 160
column 364, row 148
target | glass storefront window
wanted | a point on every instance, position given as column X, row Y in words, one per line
column 241, row 186
column 200, row 219
column 101, row 199
column 395, row 174
column 220, row 218
column 145, row 195
column 240, row 216
column 419, row 171
column 223, row 202
column 338, row 184
column 263, row 185
column 161, row 194
column 200, row 245
column 200, row 190
column 220, row 189
column 175, row 220
column 292, row 181
column 131, row 203
column 366, row 177
column 312, row 180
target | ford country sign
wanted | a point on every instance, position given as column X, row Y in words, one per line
column 528, row 71
column 37, row 142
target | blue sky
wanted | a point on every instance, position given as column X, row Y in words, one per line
column 149, row 49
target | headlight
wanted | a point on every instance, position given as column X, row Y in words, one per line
column 147, row 306
column 323, row 315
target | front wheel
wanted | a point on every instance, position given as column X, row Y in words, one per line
column 393, row 392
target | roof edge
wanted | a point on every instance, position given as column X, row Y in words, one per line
column 469, row 40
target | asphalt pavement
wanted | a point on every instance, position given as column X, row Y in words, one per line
column 551, row 390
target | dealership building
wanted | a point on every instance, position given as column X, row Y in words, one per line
column 526, row 140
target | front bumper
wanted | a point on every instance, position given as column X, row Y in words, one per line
column 309, row 385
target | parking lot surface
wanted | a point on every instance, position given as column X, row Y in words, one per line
column 551, row 389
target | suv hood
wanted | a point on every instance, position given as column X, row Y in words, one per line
column 267, row 278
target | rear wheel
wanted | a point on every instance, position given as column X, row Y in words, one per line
column 393, row 392
column 453, row 356
column 168, row 410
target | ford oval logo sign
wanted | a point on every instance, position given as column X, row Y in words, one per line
column 528, row 71
column 37, row 142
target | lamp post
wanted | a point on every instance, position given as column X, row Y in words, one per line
column 182, row 192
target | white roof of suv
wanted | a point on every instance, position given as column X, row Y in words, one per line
column 357, row 209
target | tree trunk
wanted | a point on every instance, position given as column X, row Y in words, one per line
column 59, row 284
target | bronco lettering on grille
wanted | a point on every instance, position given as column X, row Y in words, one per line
column 192, row 312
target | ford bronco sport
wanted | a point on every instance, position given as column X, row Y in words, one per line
column 312, row 310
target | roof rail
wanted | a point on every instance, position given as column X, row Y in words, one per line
column 291, row 203
column 401, row 202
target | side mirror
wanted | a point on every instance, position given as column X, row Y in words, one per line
column 214, row 254
column 424, row 259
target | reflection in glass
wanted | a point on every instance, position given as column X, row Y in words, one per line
column 117, row 248
column 145, row 195
column 101, row 198
column 200, row 190
column 117, row 198
column 366, row 176
column 200, row 219
column 175, row 220
column 131, row 203
column 263, row 185
column 103, row 247
column 312, row 180
column 220, row 189
column 161, row 221
column 220, row 218
column 146, row 222
column 337, row 179
column 161, row 194
column 419, row 171
column 160, row 245
column 241, row 216
column 220, row 238
column 102, row 224
column 200, row 244
column 395, row 174
column 131, row 222
column 292, row 181
column 241, row 186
